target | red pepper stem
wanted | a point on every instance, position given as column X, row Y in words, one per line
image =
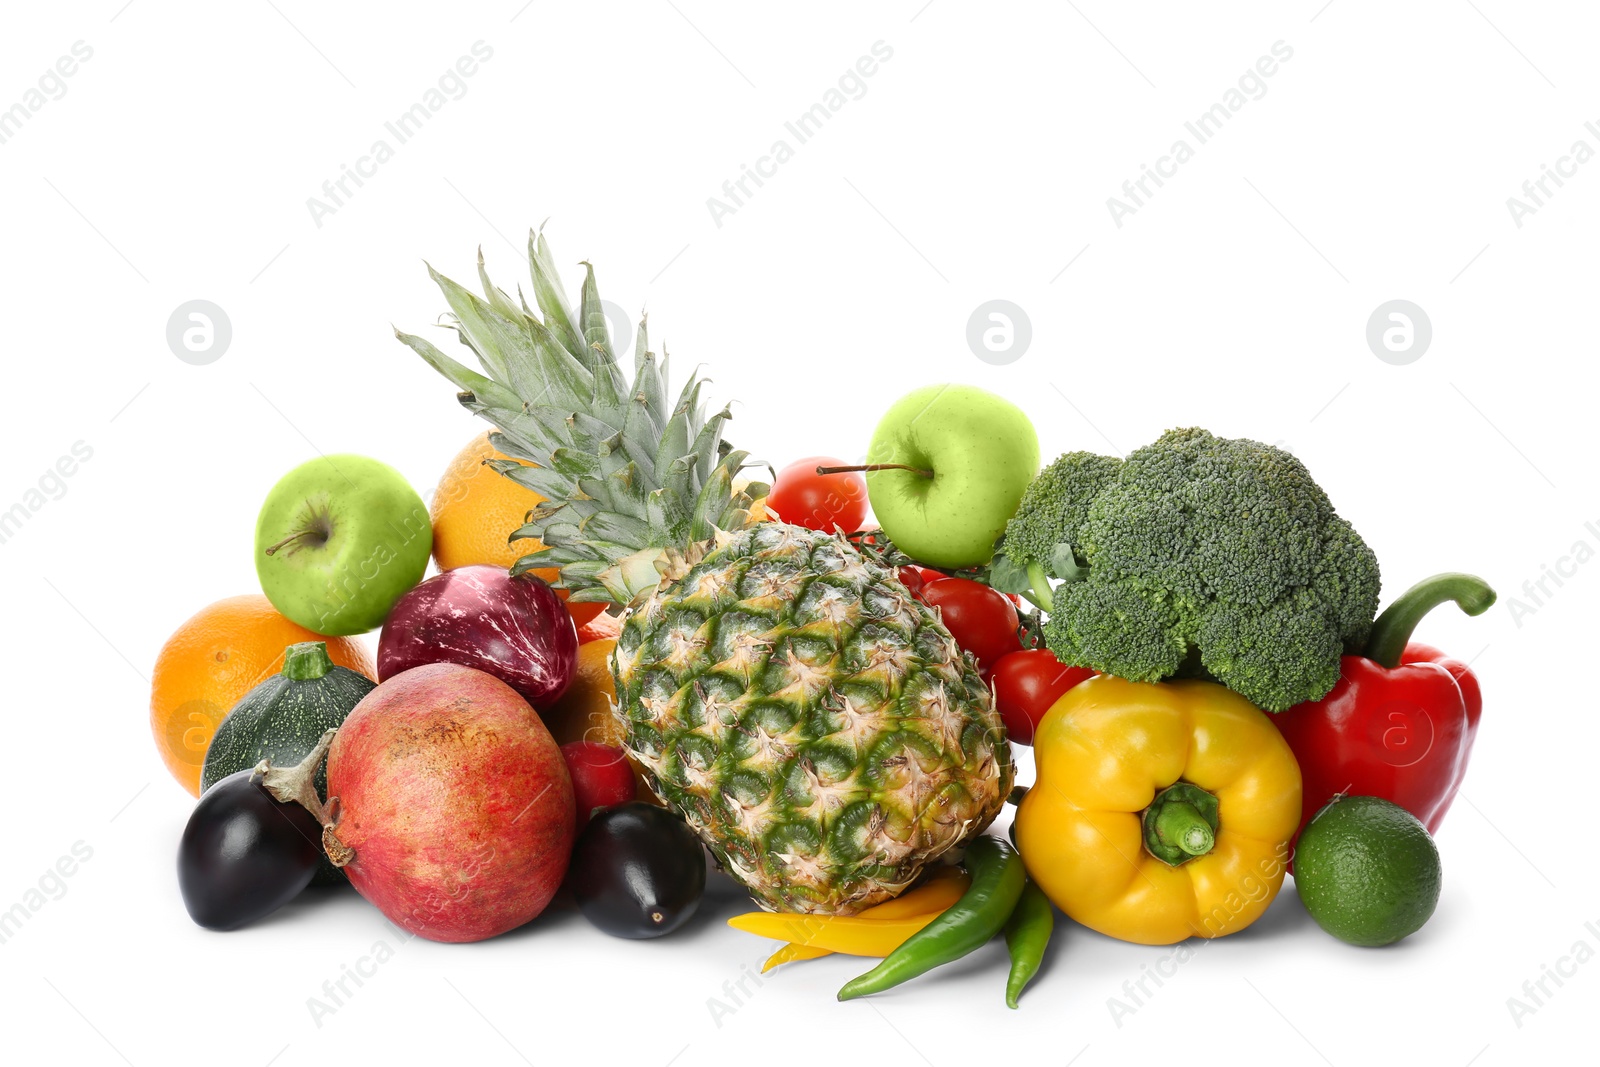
column 1392, row 630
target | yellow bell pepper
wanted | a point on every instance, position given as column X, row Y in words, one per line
column 877, row 931
column 1160, row 812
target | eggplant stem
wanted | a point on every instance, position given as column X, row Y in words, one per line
column 297, row 785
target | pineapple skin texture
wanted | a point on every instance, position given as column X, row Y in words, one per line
column 816, row 725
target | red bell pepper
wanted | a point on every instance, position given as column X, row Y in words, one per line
column 1401, row 721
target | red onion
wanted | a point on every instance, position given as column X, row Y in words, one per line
column 516, row 629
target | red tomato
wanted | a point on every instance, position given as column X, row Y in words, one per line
column 1026, row 685
column 601, row 776
column 917, row 578
column 981, row 620
column 802, row 497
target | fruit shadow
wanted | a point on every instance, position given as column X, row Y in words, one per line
column 1283, row 917
column 723, row 898
column 1287, row 916
column 313, row 900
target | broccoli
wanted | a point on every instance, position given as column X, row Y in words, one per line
column 1195, row 555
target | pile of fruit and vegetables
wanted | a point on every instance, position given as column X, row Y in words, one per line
column 637, row 661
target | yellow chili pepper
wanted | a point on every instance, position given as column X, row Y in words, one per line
column 942, row 889
column 851, row 935
column 1160, row 812
column 877, row 931
column 792, row 953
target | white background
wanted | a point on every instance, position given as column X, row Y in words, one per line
column 976, row 166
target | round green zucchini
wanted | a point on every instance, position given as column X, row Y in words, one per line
column 283, row 718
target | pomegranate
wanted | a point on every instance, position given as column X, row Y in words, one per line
column 516, row 629
column 454, row 810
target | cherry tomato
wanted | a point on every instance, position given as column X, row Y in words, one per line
column 802, row 497
column 917, row 578
column 981, row 620
column 1026, row 685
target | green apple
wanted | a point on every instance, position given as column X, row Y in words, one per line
column 338, row 541
column 972, row 454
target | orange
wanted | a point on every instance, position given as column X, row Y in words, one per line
column 601, row 628
column 758, row 506
column 475, row 510
column 584, row 711
column 215, row 658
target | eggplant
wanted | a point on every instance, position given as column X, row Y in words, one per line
column 637, row 871
column 245, row 854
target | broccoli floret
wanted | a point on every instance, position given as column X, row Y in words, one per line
column 1196, row 548
column 1053, row 508
column 1114, row 628
column 1274, row 656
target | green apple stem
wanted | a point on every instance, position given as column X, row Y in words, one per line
column 316, row 531
column 869, row 467
column 287, row 541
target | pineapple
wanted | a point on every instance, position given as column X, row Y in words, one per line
column 816, row 725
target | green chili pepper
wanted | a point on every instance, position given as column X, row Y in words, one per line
column 997, row 881
column 1027, row 936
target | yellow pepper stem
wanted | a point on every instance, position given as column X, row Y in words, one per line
column 1180, row 823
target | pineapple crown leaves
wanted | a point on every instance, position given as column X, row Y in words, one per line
column 630, row 482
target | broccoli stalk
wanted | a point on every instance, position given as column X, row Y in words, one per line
column 1193, row 554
